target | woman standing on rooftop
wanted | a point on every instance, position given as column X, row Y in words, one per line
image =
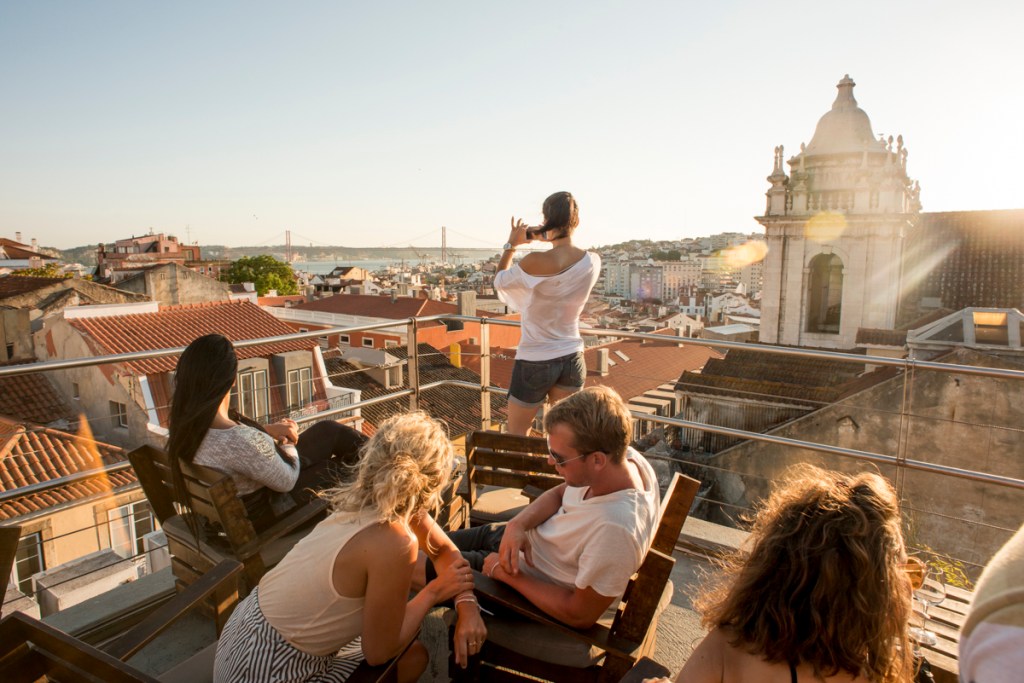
column 821, row 596
column 550, row 289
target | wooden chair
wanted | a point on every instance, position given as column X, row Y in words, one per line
column 32, row 650
column 225, row 530
column 645, row 668
column 9, row 538
column 614, row 648
column 504, row 472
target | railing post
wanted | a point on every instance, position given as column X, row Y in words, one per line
column 414, row 364
column 485, row 374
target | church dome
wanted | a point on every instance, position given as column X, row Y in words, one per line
column 846, row 128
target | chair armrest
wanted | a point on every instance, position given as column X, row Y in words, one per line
column 645, row 668
column 493, row 592
column 284, row 526
column 387, row 671
column 532, row 492
column 149, row 628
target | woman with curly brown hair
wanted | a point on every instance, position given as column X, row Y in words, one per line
column 822, row 594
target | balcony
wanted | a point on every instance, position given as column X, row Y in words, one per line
column 935, row 429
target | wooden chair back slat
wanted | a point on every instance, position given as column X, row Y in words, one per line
column 675, row 507
column 10, row 536
column 507, row 461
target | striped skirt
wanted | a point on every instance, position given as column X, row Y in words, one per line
column 250, row 650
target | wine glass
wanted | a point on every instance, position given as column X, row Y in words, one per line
column 929, row 592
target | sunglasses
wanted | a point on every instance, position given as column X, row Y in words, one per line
column 560, row 461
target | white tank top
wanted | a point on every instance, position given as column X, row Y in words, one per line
column 298, row 597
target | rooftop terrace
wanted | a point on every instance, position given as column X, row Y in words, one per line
column 961, row 498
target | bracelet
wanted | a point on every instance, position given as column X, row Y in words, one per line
column 490, row 574
column 466, row 598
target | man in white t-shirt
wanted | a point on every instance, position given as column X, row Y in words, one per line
column 572, row 551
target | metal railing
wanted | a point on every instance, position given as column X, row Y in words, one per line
column 412, row 393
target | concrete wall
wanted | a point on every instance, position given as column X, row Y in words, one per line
column 97, row 386
column 15, row 335
column 173, row 284
column 953, row 420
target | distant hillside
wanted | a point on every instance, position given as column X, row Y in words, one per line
column 87, row 254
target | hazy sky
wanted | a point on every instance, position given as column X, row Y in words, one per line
column 375, row 123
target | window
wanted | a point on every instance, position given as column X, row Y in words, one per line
column 10, row 351
column 76, row 393
column 367, row 341
column 28, row 560
column 344, row 339
column 128, row 524
column 118, row 414
column 251, row 394
column 390, row 343
column 825, row 294
column 300, row 388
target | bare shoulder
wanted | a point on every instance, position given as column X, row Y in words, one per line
column 707, row 663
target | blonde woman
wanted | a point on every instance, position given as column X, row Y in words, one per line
column 341, row 595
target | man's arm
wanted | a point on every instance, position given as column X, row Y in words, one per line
column 579, row 608
column 515, row 540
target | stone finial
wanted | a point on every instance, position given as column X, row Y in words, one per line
column 899, row 143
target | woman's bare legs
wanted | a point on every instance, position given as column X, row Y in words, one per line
column 413, row 663
column 520, row 418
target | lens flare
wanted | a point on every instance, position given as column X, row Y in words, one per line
column 825, row 227
column 745, row 254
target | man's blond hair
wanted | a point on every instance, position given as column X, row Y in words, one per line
column 599, row 420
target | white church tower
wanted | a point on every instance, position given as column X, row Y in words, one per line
column 835, row 228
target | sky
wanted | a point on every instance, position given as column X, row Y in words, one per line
column 373, row 124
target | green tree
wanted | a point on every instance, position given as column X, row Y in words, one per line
column 49, row 270
column 265, row 272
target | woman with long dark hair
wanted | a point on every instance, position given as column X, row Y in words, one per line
column 260, row 459
column 822, row 594
column 549, row 288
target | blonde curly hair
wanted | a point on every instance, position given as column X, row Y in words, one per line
column 402, row 470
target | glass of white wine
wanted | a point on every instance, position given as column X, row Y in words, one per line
column 929, row 584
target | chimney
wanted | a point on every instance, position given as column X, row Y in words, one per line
column 681, row 332
column 35, row 244
column 17, row 237
column 467, row 303
column 394, row 295
column 602, row 362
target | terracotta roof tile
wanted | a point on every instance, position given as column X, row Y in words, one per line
column 77, row 491
column 174, row 326
column 30, row 454
column 650, row 364
column 32, row 398
column 18, row 284
column 381, row 306
column 459, row 408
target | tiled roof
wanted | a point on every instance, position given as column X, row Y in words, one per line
column 752, row 375
column 19, row 284
column 650, row 364
column 17, row 250
column 880, row 337
column 382, row 306
column 174, row 326
column 281, row 300
column 32, row 455
column 968, row 259
column 459, row 408
column 32, row 398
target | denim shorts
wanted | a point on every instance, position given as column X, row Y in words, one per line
column 533, row 379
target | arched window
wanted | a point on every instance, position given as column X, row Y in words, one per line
column 825, row 294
